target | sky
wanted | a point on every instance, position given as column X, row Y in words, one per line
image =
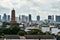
column 33, row 7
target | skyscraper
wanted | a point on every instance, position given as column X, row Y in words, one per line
column 0, row 17
column 13, row 17
column 8, row 18
column 24, row 18
column 4, row 17
column 57, row 18
column 38, row 18
column 19, row 18
column 30, row 17
column 51, row 18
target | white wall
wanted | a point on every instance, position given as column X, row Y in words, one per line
column 48, row 39
column 54, row 30
column 51, row 26
column 45, row 29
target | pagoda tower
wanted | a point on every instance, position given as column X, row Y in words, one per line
column 13, row 17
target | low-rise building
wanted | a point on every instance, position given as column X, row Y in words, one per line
column 40, row 37
column 54, row 30
column 45, row 29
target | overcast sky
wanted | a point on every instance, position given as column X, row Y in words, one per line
column 33, row 7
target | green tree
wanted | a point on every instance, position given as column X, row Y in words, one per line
column 1, row 33
column 47, row 33
column 4, row 24
column 35, row 32
column 14, row 29
column 22, row 33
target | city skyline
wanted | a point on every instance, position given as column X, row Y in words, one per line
column 33, row 7
column 29, row 16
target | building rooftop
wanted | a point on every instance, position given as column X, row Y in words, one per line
column 39, row 36
column 12, row 36
column 30, row 37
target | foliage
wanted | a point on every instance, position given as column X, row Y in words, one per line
column 14, row 29
column 5, row 23
column 35, row 32
column 11, row 30
column 47, row 33
column 22, row 33
column 1, row 34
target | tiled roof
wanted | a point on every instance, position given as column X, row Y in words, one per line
column 12, row 36
column 39, row 36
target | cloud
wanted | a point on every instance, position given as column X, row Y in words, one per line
column 34, row 7
column 12, row 3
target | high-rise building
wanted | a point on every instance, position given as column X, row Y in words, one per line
column 57, row 18
column 38, row 18
column 13, row 17
column 51, row 18
column 0, row 17
column 24, row 18
column 19, row 18
column 30, row 17
column 8, row 18
column 4, row 17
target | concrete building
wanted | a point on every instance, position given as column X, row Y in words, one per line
column 50, row 18
column 30, row 18
column 4, row 17
column 8, row 18
column 54, row 30
column 24, row 18
column 17, row 19
column 57, row 19
column 45, row 29
column 51, row 26
column 38, row 18
column 0, row 17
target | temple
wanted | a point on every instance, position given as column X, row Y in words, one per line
column 13, row 17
